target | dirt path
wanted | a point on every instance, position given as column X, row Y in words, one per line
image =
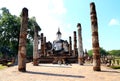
column 50, row 72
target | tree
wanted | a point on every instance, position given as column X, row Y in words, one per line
column 114, row 52
column 103, row 52
column 30, row 49
column 90, row 53
column 10, row 29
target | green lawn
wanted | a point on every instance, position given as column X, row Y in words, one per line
column 2, row 67
column 116, row 66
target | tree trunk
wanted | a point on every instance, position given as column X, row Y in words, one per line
column 80, row 45
column 95, row 39
column 22, row 41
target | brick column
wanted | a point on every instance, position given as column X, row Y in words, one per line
column 22, row 41
column 75, row 44
column 80, row 45
column 95, row 38
column 42, row 45
column 70, row 45
column 35, row 48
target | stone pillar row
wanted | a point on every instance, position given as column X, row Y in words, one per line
column 23, row 37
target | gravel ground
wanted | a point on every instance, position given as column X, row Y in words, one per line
column 50, row 72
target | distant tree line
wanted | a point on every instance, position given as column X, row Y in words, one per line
column 103, row 52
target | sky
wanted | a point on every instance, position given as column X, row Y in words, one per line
column 65, row 14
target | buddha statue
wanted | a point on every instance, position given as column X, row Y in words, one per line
column 59, row 46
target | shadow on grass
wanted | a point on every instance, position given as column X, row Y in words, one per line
column 110, row 71
column 52, row 74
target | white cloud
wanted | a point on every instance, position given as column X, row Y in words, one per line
column 58, row 7
column 47, row 13
column 114, row 22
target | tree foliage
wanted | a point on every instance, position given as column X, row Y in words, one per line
column 10, row 29
column 102, row 52
column 30, row 49
column 114, row 52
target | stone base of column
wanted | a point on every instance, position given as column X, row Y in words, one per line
column 80, row 61
column 22, row 69
column 97, row 68
column 35, row 62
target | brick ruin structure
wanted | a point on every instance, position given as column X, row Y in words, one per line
column 47, row 51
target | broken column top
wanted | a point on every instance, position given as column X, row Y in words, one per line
column 74, row 32
column 79, row 26
column 92, row 3
column 41, row 34
column 92, row 7
column 24, row 12
column 70, row 37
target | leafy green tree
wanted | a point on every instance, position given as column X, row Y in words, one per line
column 90, row 53
column 114, row 52
column 30, row 49
column 10, row 29
column 102, row 52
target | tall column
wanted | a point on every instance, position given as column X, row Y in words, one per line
column 70, row 46
column 75, row 44
column 35, row 48
column 80, row 45
column 42, row 45
column 95, row 39
column 22, row 41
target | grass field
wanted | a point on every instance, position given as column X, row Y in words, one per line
column 2, row 67
column 116, row 64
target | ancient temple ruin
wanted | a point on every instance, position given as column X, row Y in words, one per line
column 60, row 49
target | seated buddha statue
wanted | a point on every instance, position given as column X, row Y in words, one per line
column 59, row 46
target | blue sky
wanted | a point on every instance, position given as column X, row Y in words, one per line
column 65, row 14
